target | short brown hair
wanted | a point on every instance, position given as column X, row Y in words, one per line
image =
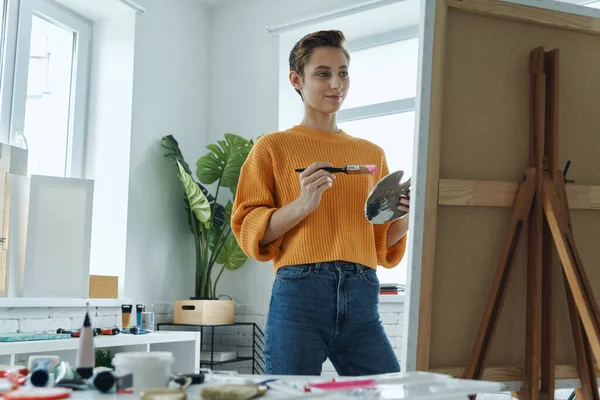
column 303, row 49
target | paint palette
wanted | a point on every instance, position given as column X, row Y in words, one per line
column 382, row 203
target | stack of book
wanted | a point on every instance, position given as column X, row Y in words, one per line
column 391, row 288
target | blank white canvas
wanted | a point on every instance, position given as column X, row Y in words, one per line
column 58, row 237
column 16, row 212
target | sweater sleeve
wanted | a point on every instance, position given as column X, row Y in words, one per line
column 254, row 204
column 387, row 258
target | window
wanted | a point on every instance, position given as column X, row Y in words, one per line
column 394, row 133
column 48, row 112
column 381, row 108
column 383, row 73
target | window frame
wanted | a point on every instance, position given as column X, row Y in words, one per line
column 7, row 63
column 18, row 50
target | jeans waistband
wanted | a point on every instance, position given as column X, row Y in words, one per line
column 337, row 266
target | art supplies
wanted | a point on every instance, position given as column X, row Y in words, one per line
column 109, row 381
column 126, row 315
column 16, row 374
column 85, row 354
column 5, row 385
column 110, row 331
column 48, row 362
column 163, row 394
column 33, row 393
column 382, row 203
column 23, row 337
column 65, row 376
column 233, row 392
column 134, row 331
column 150, row 369
column 349, row 169
column 148, row 321
column 139, row 309
column 392, row 386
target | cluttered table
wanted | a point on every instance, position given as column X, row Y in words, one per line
column 155, row 375
column 231, row 386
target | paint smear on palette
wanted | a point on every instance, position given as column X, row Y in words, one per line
column 381, row 205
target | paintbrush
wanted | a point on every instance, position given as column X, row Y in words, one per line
column 350, row 169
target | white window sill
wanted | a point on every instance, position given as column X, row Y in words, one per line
column 58, row 302
column 392, row 298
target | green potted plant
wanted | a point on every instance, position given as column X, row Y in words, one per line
column 209, row 222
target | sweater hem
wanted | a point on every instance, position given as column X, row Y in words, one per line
column 301, row 261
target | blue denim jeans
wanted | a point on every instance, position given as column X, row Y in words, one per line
column 326, row 310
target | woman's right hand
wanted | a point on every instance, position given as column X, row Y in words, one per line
column 313, row 183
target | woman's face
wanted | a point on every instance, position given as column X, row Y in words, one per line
column 325, row 83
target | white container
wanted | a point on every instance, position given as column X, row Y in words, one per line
column 150, row 369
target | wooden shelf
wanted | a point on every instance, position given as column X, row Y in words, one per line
column 121, row 339
column 392, row 298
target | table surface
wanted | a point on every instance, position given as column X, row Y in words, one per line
column 417, row 386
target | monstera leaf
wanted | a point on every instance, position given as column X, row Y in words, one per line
column 192, row 220
column 231, row 256
column 173, row 151
column 216, row 236
column 228, row 208
column 224, row 161
column 198, row 202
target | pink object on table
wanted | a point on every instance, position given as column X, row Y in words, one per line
column 344, row 385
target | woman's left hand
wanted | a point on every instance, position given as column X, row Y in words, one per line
column 404, row 203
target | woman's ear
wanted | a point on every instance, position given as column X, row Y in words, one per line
column 295, row 80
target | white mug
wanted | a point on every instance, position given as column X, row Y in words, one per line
column 150, row 369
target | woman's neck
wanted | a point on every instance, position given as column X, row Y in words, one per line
column 317, row 120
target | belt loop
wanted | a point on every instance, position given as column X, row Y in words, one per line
column 317, row 267
column 358, row 268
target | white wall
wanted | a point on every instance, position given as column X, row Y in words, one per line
column 244, row 94
column 169, row 97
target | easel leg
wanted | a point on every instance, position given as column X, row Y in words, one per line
column 547, row 385
column 497, row 292
column 536, row 223
column 585, row 361
column 563, row 238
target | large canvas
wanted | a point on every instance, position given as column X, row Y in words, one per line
column 472, row 150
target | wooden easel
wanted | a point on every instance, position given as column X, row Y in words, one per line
column 542, row 202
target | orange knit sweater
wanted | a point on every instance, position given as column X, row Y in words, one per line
column 338, row 228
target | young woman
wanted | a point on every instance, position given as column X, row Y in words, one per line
column 311, row 225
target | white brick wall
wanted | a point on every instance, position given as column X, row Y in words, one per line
column 49, row 319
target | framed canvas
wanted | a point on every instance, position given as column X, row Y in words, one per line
column 472, row 148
